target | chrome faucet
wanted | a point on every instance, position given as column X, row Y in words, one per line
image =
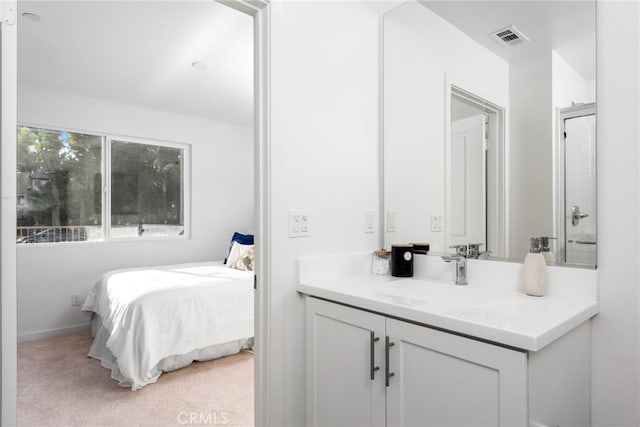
column 474, row 251
column 461, row 263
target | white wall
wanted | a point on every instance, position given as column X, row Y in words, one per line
column 324, row 158
column 616, row 330
column 568, row 85
column 221, row 203
column 421, row 52
column 530, row 152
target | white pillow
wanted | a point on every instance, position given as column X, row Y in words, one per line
column 241, row 257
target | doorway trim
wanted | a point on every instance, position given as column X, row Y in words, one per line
column 8, row 291
column 260, row 10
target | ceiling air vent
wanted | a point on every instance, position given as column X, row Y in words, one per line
column 509, row 36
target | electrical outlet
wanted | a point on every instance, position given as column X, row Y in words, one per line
column 75, row 300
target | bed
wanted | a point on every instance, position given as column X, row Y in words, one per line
column 151, row 320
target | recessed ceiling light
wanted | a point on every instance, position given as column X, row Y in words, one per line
column 31, row 17
column 199, row 65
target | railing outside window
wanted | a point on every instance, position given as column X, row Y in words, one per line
column 53, row 234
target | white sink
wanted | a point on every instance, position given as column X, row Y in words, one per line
column 445, row 296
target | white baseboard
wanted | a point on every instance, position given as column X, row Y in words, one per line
column 49, row 333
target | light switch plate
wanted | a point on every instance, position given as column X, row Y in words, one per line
column 436, row 221
column 369, row 222
column 299, row 224
column 391, row 221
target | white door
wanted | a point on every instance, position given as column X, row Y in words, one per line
column 467, row 177
column 440, row 379
column 344, row 366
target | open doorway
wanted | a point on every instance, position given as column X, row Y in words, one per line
column 56, row 108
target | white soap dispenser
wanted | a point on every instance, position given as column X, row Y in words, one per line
column 534, row 271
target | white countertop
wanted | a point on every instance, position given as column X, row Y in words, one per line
column 506, row 317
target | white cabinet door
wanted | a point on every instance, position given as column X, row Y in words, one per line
column 441, row 379
column 344, row 346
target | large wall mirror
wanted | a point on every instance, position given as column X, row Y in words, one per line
column 489, row 126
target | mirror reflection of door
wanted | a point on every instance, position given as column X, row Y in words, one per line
column 468, row 181
column 578, row 129
column 475, row 186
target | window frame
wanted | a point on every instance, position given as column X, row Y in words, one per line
column 105, row 169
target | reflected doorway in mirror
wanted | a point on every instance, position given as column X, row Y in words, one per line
column 575, row 185
column 474, row 172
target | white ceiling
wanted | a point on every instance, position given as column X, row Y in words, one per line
column 569, row 27
column 140, row 53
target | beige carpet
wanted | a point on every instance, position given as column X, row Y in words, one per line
column 58, row 385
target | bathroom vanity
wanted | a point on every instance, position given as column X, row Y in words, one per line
column 475, row 151
column 423, row 351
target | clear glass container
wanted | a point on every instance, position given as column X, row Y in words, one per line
column 380, row 262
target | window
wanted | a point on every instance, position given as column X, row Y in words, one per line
column 59, row 186
column 146, row 190
column 60, row 182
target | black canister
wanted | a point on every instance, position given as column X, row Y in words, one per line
column 402, row 260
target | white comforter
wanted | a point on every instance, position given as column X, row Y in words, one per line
column 151, row 314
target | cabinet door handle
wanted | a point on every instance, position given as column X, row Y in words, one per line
column 388, row 345
column 373, row 366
